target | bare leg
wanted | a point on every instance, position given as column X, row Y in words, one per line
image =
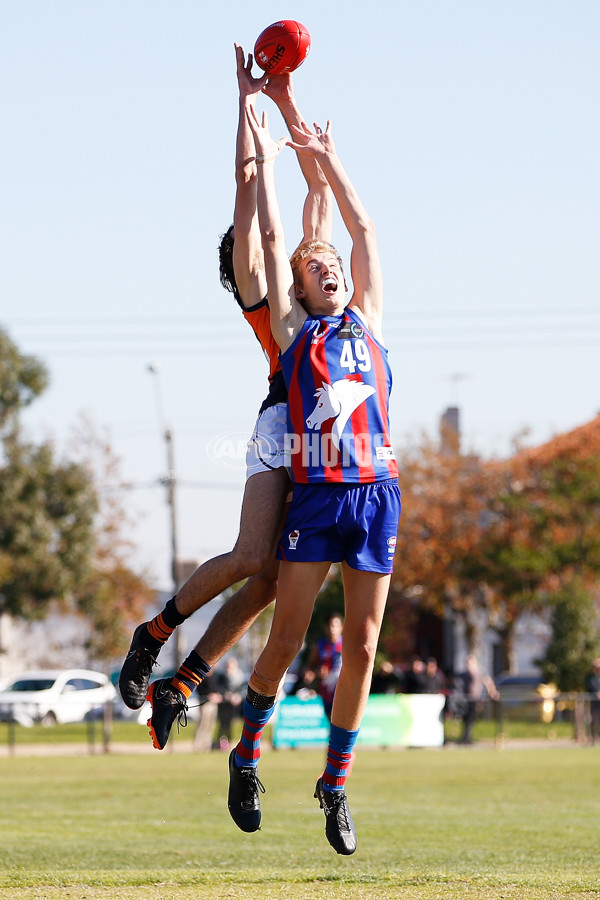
column 299, row 584
column 260, row 525
column 237, row 615
column 365, row 598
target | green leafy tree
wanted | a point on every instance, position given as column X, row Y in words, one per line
column 22, row 379
column 47, row 513
column 61, row 522
column 574, row 642
column 47, row 506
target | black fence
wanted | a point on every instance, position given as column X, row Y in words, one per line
column 577, row 714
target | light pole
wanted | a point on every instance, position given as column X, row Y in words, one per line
column 170, row 482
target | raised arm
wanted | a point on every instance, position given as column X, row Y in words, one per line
column 247, row 251
column 287, row 315
column 317, row 214
column 365, row 266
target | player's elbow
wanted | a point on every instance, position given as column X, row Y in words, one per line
column 271, row 235
column 367, row 226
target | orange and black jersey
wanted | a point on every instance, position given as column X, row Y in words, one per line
column 259, row 319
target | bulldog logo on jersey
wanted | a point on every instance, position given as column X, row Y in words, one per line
column 338, row 401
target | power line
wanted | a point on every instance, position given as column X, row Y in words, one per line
column 406, row 344
column 548, row 328
column 453, row 330
column 207, row 320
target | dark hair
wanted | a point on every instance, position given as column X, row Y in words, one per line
column 226, row 273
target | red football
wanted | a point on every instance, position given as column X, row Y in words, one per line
column 282, row 47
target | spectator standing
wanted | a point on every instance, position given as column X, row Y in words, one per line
column 231, row 684
column 386, row 679
column 416, row 682
column 210, row 698
column 435, row 680
column 326, row 660
column 592, row 686
column 473, row 683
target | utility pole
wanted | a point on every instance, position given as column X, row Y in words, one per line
column 170, row 482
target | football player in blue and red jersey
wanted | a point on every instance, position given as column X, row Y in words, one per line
column 268, row 483
column 346, row 502
column 325, row 659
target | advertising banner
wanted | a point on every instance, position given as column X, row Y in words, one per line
column 390, row 720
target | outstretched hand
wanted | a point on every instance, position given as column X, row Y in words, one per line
column 279, row 88
column 266, row 146
column 247, row 83
column 316, row 143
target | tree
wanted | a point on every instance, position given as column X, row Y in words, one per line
column 575, row 641
column 543, row 528
column 22, row 379
column 113, row 596
column 47, row 506
column 495, row 540
column 61, row 522
column 444, row 507
column 46, row 528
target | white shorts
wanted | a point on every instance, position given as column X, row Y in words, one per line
column 266, row 446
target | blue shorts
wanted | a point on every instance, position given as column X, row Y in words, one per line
column 357, row 523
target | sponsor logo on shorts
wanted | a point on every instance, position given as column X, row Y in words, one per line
column 391, row 544
column 293, row 538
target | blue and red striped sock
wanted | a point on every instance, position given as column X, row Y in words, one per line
column 256, row 712
column 339, row 755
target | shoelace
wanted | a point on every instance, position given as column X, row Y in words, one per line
column 182, row 718
column 179, row 704
column 254, row 783
column 337, row 807
column 342, row 811
column 146, row 660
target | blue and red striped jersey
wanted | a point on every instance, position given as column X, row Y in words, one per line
column 339, row 382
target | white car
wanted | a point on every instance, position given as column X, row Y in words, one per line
column 52, row 697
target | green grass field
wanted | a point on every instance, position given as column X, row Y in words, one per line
column 459, row 822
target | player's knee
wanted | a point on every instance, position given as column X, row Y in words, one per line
column 250, row 560
column 360, row 656
column 285, row 648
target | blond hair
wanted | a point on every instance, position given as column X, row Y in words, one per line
column 306, row 249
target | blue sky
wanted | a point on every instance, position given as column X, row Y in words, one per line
column 471, row 132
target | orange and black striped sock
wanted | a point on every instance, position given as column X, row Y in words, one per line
column 190, row 674
column 164, row 624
